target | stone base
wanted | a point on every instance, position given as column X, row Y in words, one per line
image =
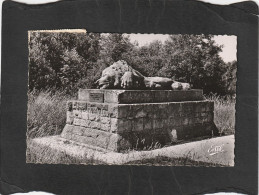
column 117, row 127
column 118, row 120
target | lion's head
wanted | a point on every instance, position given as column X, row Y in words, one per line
column 111, row 76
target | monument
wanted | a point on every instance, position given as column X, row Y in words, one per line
column 133, row 111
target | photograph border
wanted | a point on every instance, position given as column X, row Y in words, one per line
column 125, row 17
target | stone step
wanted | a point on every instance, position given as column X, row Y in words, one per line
column 92, row 137
column 139, row 96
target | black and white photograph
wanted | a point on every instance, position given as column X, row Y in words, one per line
column 131, row 99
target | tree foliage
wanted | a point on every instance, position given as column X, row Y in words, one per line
column 68, row 61
column 60, row 60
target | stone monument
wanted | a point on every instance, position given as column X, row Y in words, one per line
column 119, row 116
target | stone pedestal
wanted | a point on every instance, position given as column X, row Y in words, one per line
column 118, row 120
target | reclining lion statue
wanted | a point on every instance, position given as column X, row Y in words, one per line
column 122, row 76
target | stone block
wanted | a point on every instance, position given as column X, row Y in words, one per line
column 187, row 107
column 124, row 111
column 138, row 124
column 77, row 122
column 203, row 114
column 157, row 123
column 105, row 120
column 136, row 96
column 85, row 115
column 171, row 122
column 149, row 110
column 77, row 113
column 198, row 130
column 210, row 106
column 147, row 123
column 203, row 106
column 197, row 114
column 210, row 117
column 114, row 124
column 197, row 107
column 89, row 136
column 161, row 111
column 105, row 127
column 121, row 125
column 185, row 121
column 113, row 110
column 113, row 142
column 92, row 117
column 78, row 131
column 191, row 121
column 197, row 120
column 174, row 121
column 124, row 144
column 84, row 123
column 165, row 122
column 163, row 96
column 136, row 111
column 174, row 108
column 67, row 129
column 139, row 96
column 70, row 117
column 94, row 125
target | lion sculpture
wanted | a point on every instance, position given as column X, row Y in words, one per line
column 122, row 76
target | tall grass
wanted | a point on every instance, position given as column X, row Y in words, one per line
column 46, row 113
column 224, row 113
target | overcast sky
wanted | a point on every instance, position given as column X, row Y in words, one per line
column 229, row 43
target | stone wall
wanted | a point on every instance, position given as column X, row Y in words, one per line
column 121, row 126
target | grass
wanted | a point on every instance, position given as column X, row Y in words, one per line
column 36, row 153
column 224, row 113
column 46, row 113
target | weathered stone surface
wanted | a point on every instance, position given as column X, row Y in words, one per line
column 123, row 121
column 137, row 117
column 138, row 124
column 121, row 125
column 140, row 96
column 147, row 123
column 70, row 117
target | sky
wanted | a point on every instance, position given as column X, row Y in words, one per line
column 229, row 43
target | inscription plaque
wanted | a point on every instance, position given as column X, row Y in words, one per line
column 96, row 97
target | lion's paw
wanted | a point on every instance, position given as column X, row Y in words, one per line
column 180, row 86
column 127, row 80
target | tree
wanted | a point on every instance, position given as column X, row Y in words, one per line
column 113, row 47
column 60, row 60
column 194, row 59
column 148, row 59
column 230, row 78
